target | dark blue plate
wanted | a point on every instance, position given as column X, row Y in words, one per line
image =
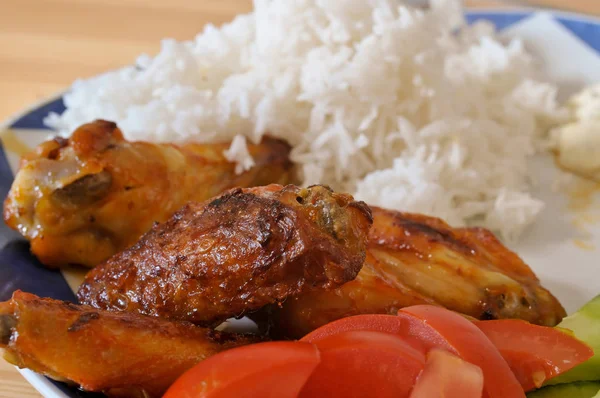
column 20, row 270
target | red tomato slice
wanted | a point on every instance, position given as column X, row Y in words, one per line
column 275, row 369
column 471, row 345
column 429, row 327
column 447, row 376
column 364, row 364
column 535, row 353
column 411, row 329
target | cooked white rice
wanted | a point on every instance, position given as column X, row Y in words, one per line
column 408, row 109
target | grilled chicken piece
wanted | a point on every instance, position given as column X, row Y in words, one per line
column 81, row 200
column 414, row 259
column 235, row 254
column 118, row 353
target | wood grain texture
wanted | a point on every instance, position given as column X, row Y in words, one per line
column 46, row 44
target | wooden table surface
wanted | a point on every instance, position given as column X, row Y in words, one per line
column 46, row 44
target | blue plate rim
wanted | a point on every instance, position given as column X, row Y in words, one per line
column 10, row 120
column 51, row 389
column 526, row 11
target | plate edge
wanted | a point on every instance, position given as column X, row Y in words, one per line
column 7, row 122
column 42, row 384
column 572, row 15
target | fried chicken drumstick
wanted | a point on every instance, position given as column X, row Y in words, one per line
column 235, row 254
column 118, row 353
column 414, row 259
column 81, row 200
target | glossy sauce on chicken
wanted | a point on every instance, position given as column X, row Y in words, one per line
column 415, row 259
column 81, row 200
column 235, row 254
column 118, row 353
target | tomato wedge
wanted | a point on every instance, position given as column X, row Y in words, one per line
column 471, row 345
column 535, row 353
column 447, row 376
column 427, row 327
column 411, row 329
column 364, row 364
column 275, row 369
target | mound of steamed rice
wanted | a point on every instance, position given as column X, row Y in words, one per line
column 407, row 109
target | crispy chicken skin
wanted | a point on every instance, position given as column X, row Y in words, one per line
column 415, row 259
column 81, row 200
column 118, row 353
column 235, row 254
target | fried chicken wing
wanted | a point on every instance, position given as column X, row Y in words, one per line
column 235, row 254
column 118, row 353
column 81, row 200
column 414, row 259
